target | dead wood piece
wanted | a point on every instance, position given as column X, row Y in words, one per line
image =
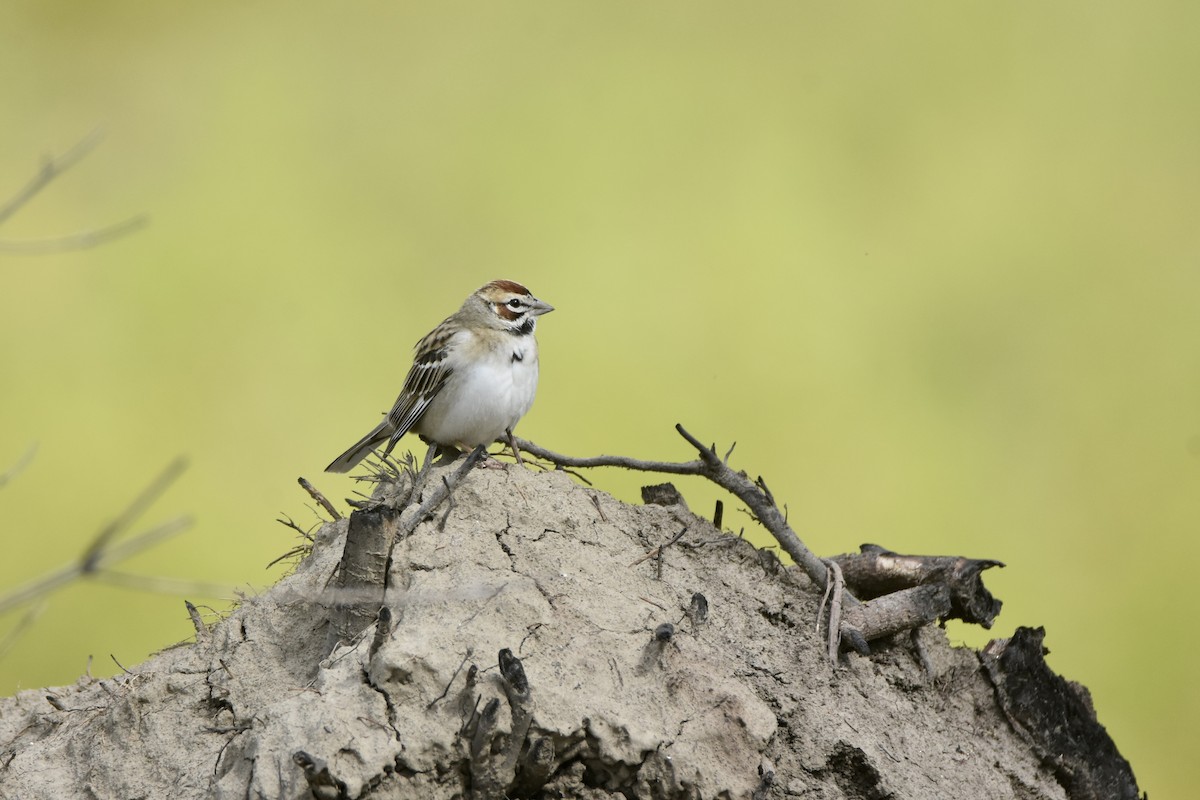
column 322, row 784
column 374, row 530
column 536, row 768
column 383, row 630
column 197, row 622
column 898, row 611
column 838, row 583
column 697, row 612
column 359, row 588
column 662, row 494
column 876, row 571
column 494, row 756
column 1055, row 716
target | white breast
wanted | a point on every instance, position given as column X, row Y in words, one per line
column 491, row 388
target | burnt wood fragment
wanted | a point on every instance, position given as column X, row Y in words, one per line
column 875, row 572
column 1055, row 716
column 359, row 587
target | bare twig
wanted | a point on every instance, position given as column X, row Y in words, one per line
column 65, row 575
column 624, row 462
column 654, row 552
column 75, row 241
column 852, row 624
column 132, row 512
column 99, row 553
column 440, row 492
column 299, row 550
column 26, row 622
column 446, row 691
column 835, row 611
column 197, row 621
column 320, row 498
column 855, row 628
column 160, row 585
column 288, row 522
column 711, row 466
column 51, row 169
column 19, row 466
column 821, row 607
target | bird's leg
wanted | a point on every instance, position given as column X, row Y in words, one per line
column 512, row 442
column 445, row 454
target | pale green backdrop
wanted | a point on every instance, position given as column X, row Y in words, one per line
column 934, row 265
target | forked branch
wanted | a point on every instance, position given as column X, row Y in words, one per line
column 53, row 167
column 852, row 624
column 716, row 469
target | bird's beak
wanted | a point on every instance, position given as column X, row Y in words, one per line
column 538, row 308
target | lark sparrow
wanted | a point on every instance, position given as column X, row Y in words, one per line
column 473, row 377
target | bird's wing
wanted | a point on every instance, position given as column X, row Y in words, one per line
column 428, row 375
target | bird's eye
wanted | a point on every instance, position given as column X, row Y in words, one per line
column 514, row 304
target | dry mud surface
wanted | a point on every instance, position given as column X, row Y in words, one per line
column 737, row 703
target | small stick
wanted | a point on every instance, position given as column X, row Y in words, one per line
column 26, row 622
column 17, row 468
column 51, row 169
column 197, row 622
column 75, row 241
column 64, row 575
column 453, row 677
column 657, row 551
column 835, row 611
column 320, row 498
column 91, row 556
column 383, row 630
column 599, row 510
column 288, row 522
column 512, row 442
column 449, row 504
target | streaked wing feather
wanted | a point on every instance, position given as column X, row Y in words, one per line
column 425, row 379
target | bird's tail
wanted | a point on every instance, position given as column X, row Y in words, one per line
column 361, row 449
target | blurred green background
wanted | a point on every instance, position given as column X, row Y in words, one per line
column 935, row 266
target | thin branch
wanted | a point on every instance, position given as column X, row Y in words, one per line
column 654, row 552
column 10, row 638
column 135, row 509
column 835, row 611
column 81, row 240
column 19, row 467
column 160, row 585
column 439, row 493
column 711, row 466
column 320, row 498
column 65, row 575
column 197, row 621
column 669, row 467
column 288, row 522
column 51, row 169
